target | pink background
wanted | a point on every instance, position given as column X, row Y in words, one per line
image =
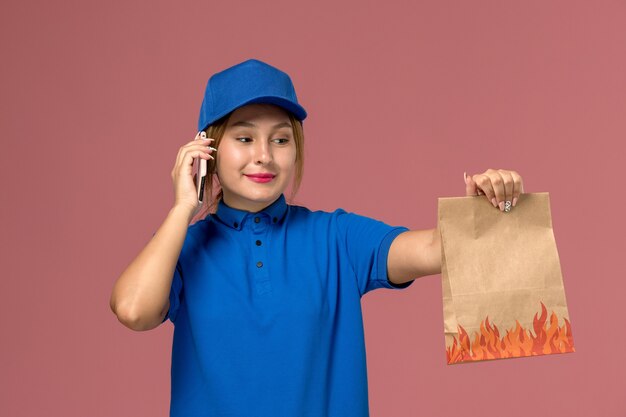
column 403, row 96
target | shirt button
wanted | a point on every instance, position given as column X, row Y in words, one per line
column 256, row 220
column 259, row 264
column 258, row 243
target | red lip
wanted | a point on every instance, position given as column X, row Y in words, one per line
column 261, row 175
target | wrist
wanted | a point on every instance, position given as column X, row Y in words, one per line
column 183, row 210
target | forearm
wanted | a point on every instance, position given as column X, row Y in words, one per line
column 141, row 293
column 414, row 254
column 435, row 251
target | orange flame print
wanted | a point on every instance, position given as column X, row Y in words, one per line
column 516, row 343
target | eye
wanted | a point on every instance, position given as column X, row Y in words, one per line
column 239, row 139
column 284, row 141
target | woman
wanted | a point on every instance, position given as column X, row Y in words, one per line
column 264, row 295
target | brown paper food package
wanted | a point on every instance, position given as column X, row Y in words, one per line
column 503, row 294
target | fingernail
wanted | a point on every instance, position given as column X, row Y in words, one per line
column 514, row 201
column 501, row 205
column 203, row 134
column 493, row 201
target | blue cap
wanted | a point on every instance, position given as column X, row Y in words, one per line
column 251, row 81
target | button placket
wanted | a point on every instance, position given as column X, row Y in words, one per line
column 259, row 249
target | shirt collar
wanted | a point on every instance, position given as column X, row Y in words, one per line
column 234, row 218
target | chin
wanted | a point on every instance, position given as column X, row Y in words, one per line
column 264, row 197
column 260, row 194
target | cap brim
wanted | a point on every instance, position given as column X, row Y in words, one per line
column 297, row 110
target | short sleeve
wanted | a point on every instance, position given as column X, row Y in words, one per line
column 175, row 290
column 367, row 243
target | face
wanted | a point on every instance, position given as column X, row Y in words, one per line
column 258, row 140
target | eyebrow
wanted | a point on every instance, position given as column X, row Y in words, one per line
column 248, row 124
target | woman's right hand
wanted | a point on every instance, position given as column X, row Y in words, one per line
column 184, row 180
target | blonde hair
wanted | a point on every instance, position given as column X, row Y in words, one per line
column 216, row 131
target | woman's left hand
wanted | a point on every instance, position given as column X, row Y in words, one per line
column 501, row 186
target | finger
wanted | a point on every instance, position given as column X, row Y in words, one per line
column 199, row 140
column 192, row 146
column 183, row 152
column 205, row 154
column 518, row 186
column 202, row 147
column 484, row 183
column 478, row 190
column 180, row 157
column 497, row 185
column 470, row 186
column 507, row 184
column 190, row 156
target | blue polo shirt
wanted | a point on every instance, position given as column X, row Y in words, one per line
column 267, row 314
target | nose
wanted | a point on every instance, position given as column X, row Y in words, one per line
column 262, row 152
